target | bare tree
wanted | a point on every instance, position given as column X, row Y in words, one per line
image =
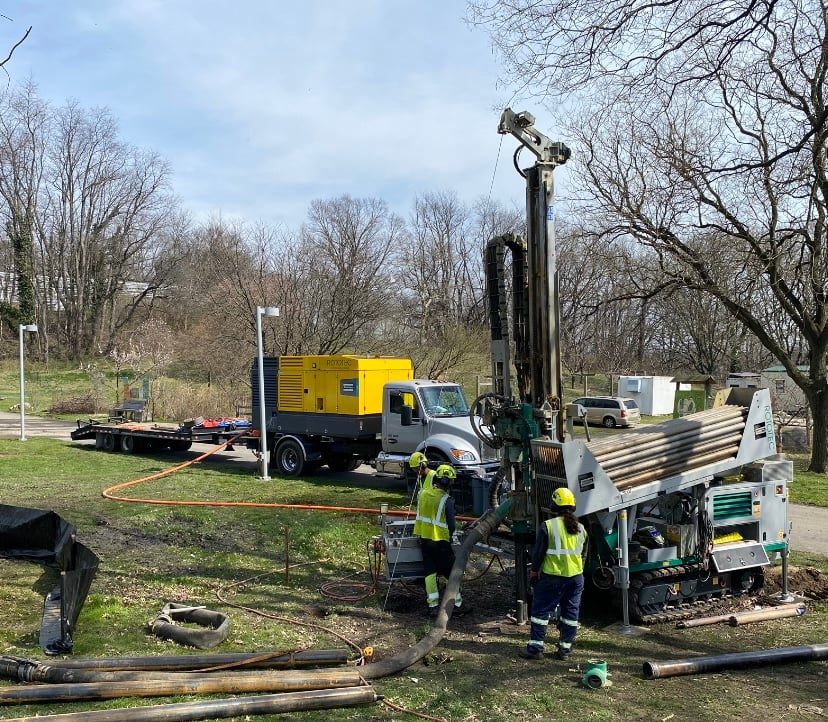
column 23, row 131
column 103, row 207
column 704, row 138
column 350, row 249
column 443, row 304
column 13, row 47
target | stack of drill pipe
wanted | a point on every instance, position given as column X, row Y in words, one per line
column 104, row 679
column 672, row 447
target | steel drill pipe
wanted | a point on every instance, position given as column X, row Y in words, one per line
column 668, row 429
column 680, row 454
column 275, row 660
column 760, row 615
column 703, row 621
column 285, row 681
column 682, row 442
column 644, row 438
column 695, row 665
column 488, row 523
column 222, row 708
column 673, row 469
column 783, row 610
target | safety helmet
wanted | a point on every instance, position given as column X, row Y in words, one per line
column 445, row 474
column 417, row 458
column 563, row 497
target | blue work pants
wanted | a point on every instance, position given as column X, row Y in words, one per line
column 552, row 592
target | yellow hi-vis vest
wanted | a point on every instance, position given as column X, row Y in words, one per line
column 431, row 515
column 563, row 555
column 428, row 481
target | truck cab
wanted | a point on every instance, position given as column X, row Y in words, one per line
column 432, row 417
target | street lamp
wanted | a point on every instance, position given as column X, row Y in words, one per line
column 31, row 328
column 270, row 311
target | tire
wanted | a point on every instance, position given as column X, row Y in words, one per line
column 340, row 462
column 182, row 445
column 356, row 462
column 290, row 459
column 609, row 422
column 435, row 458
column 129, row 444
column 99, row 440
column 108, row 442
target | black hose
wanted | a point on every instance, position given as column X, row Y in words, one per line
column 402, row 660
column 215, row 626
column 694, row 665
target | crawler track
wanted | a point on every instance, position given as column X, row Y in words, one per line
column 683, row 592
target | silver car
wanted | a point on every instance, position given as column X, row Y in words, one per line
column 610, row 411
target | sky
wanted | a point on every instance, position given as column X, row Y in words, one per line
column 261, row 106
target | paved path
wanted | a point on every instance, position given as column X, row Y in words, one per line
column 809, row 524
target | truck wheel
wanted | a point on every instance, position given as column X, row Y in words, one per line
column 435, row 458
column 99, row 440
column 129, row 444
column 341, row 462
column 182, row 445
column 108, row 442
column 289, row 458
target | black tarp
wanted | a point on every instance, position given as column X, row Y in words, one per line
column 46, row 538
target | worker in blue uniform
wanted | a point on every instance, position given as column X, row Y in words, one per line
column 557, row 577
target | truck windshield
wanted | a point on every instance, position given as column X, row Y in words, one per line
column 444, row 401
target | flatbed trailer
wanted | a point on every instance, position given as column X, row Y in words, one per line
column 131, row 436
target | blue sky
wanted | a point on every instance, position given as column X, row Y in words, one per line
column 262, row 106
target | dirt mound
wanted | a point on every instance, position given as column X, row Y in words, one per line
column 805, row 582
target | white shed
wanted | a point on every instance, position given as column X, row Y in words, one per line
column 655, row 395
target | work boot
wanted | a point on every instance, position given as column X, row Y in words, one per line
column 532, row 654
column 460, row 611
column 563, row 654
column 433, row 612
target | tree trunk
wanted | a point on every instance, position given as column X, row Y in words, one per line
column 818, row 402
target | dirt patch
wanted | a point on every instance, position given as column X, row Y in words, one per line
column 805, row 582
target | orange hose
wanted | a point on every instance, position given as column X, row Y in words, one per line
column 108, row 493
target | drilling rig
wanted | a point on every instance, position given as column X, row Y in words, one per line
column 679, row 513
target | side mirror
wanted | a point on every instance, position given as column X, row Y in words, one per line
column 405, row 415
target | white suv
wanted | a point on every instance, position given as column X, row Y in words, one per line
column 610, row 411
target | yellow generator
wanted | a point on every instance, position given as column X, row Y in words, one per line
column 350, row 385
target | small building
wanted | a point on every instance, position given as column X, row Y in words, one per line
column 653, row 394
column 786, row 396
column 693, row 393
column 743, row 380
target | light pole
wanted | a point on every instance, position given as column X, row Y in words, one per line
column 270, row 311
column 32, row 328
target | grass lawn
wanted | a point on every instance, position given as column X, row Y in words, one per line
column 233, row 559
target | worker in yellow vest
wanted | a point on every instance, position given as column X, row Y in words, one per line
column 435, row 525
column 425, row 476
column 557, row 577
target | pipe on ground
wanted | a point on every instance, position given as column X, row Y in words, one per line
column 695, row 665
column 171, row 685
column 222, row 708
column 778, row 612
column 488, row 523
column 760, row 615
column 203, row 662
